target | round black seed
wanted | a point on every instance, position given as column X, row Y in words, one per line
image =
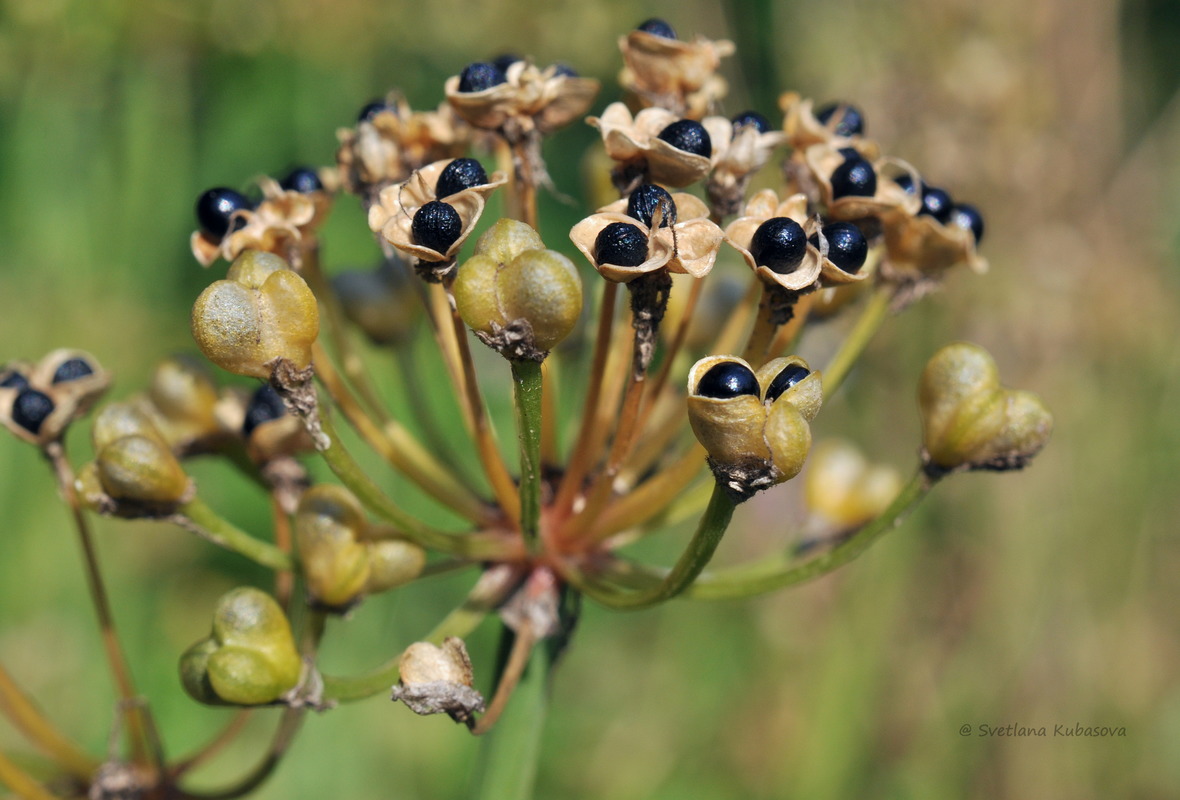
column 265, row 405
column 785, row 380
column 727, row 379
column 936, row 203
column 30, row 409
column 565, row 71
column 657, row 27
column 760, row 123
column 620, row 244
column 72, row 370
column 303, row 180
column 14, row 380
column 215, row 207
column 779, row 244
column 847, row 247
column 855, row 177
column 690, row 136
column 905, row 182
column 479, row 76
column 966, row 215
column 849, row 120
column 436, row 225
column 849, row 152
column 644, row 201
column 371, row 110
column 460, row 174
column 505, row 60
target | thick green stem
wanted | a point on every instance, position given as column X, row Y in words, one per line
column 782, row 571
column 871, row 318
column 527, row 394
column 205, row 522
column 691, row 563
column 506, row 766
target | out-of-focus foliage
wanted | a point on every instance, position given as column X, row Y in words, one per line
column 1039, row 599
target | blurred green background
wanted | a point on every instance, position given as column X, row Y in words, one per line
column 1040, row 598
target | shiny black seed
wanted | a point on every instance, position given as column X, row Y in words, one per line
column 265, row 405
column 14, row 380
column 565, row 71
column 503, row 61
column 460, row 174
column 479, row 76
column 436, row 225
column 966, row 215
column 727, row 379
column 371, row 110
column 905, row 182
column 849, row 152
column 72, row 370
column 30, row 409
column 760, row 123
column 785, row 380
column 690, row 136
column 779, row 244
column 644, row 201
column 855, row 177
column 936, row 203
column 214, row 208
column 657, row 27
column 847, row 247
column 620, row 244
column 303, row 180
column 849, row 120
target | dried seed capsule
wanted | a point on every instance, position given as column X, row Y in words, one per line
column 503, row 61
column 621, row 244
column 967, row 216
column 848, row 119
column 564, row 71
column 855, row 177
column 436, row 225
column 657, row 27
column 14, row 380
column 479, row 76
column 72, row 370
column 688, row 135
column 643, row 202
column 265, row 405
column 936, row 203
column 30, row 409
column 215, row 209
column 751, row 118
column 727, row 379
column 249, row 658
column 847, row 246
column 779, row 244
column 304, row 180
column 460, row 174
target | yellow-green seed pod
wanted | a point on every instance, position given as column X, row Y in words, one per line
column 328, row 525
column 788, row 437
column 725, row 410
column 843, row 487
column 141, row 469
column 393, row 563
column 512, row 280
column 261, row 312
column 969, row 420
column 184, row 398
column 250, row 657
column 117, row 420
column 791, row 380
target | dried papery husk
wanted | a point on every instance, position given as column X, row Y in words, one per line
column 764, row 206
column 736, row 157
column 694, row 239
column 438, row 680
column 830, row 274
column 821, row 160
column 970, row 421
column 730, row 429
column 804, row 129
column 807, row 395
column 842, row 487
column 280, row 221
column 584, row 234
column 261, row 312
column 634, row 143
column 70, row 398
column 922, row 247
column 393, row 217
column 675, row 74
column 250, row 657
column 530, row 100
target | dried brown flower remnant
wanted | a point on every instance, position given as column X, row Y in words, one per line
column 673, row 74
column 532, row 101
column 737, row 155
